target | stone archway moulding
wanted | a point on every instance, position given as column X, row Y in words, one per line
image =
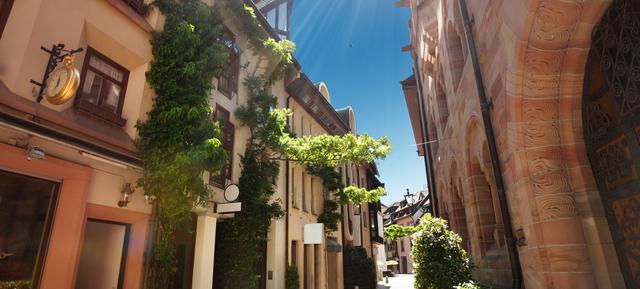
column 547, row 106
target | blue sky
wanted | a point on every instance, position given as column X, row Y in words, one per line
column 354, row 47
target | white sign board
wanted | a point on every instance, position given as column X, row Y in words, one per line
column 313, row 233
column 228, row 208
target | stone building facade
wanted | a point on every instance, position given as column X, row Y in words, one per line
column 561, row 80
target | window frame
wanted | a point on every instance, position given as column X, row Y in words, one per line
column 226, row 172
column 97, row 110
column 294, row 196
column 232, row 65
column 5, row 11
column 304, row 193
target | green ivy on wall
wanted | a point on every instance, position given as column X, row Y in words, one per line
column 178, row 142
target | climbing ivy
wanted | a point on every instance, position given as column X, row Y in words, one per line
column 178, row 142
column 242, row 237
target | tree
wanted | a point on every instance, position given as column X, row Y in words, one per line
column 441, row 262
column 292, row 278
column 359, row 269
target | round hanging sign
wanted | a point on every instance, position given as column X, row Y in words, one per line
column 231, row 193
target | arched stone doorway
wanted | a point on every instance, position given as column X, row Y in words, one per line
column 557, row 202
column 611, row 113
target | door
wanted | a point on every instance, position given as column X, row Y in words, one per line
column 27, row 206
column 611, row 110
column 404, row 270
column 104, row 251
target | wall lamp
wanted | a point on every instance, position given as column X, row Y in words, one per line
column 127, row 191
column 35, row 153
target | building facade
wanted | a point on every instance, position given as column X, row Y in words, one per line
column 71, row 215
column 68, row 170
column 525, row 113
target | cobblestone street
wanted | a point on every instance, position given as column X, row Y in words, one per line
column 399, row 281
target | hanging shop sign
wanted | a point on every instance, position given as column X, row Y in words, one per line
column 231, row 195
column 59, row 84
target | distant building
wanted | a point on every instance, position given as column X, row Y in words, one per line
column 406, row 212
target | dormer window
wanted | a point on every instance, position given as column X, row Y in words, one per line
column 278, row 15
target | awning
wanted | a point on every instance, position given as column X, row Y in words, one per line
column 333, row 246
column 392, row 263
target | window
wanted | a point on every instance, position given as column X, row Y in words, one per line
column 27, row 207
column 293, row 188
column 277, row 15
column 282, row 17
column 304, row 192
column 365, row 218
column 103, row 87
column 228, row 79
column 271, row 17
column 401, row 244
column 294, row 252
column 228, row 133
column 5, row 10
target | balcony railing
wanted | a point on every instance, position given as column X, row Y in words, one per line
column 138, row 6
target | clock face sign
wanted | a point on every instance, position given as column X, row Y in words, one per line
column 231, row 193
column 62, row 83
column 57, row 81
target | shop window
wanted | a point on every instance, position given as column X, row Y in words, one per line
column 27, row 206
column 228, row 79
column 228, row 134
column 102, row 88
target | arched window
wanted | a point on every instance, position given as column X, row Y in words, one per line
column 455, row 53
column 483, row 197
column 459, row 221
column 443, row 106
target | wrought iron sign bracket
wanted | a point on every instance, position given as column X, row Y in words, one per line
column 55, row 56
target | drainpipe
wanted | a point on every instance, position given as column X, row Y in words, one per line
column 286, row 219
column 426, row 146
column 485, row 106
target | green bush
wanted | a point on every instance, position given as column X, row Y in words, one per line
column 441, row 262
column 19, row 284
column 359, row 269
column 291, row 277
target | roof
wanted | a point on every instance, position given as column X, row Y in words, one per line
column 344, row 115
column 310, row 98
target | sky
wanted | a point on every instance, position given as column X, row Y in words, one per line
column 354, row 47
